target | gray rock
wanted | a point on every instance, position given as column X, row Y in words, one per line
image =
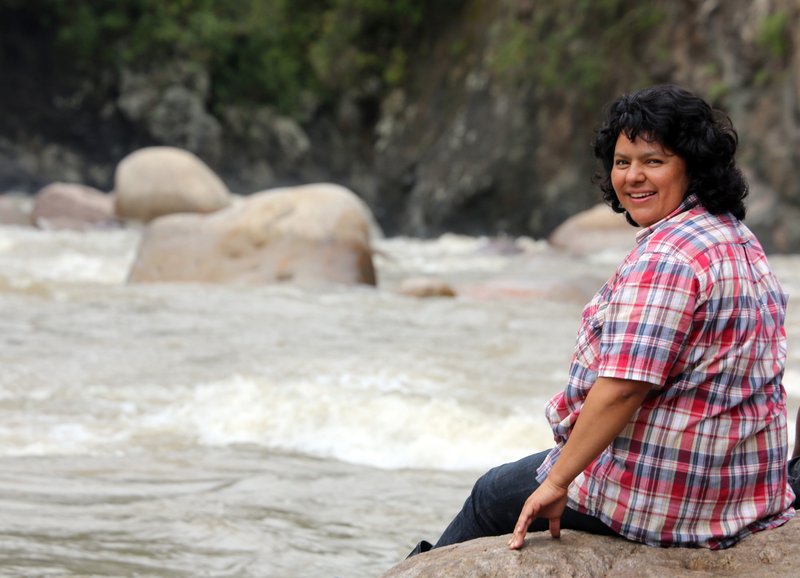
column 169, row 101
column 262, row 143
column 770, row 554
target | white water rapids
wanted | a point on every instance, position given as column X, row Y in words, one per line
column 190, row 430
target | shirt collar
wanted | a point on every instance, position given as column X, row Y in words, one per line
column 690, row 202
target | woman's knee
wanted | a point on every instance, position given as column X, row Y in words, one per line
column 484, row 491
column 500, row 493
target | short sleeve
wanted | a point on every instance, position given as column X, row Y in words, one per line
column 648, row 319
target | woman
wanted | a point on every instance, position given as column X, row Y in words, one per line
column 672, row 428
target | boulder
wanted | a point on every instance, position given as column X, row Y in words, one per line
column 593, row 231
column 425, row 287
column 156, row 181
column 772, row 554
column 16, row 209
column 72, row 206
column 577, row 290
column 305, row 235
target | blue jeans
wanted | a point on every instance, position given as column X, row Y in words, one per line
column 794, row 479
column 493, row 507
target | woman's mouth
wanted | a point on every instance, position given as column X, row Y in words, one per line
column 642, row 195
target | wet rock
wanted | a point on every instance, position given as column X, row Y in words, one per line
column 72, row 206
column 426, row 287
column 770, row 554
column 156, row 181
column 307, row 235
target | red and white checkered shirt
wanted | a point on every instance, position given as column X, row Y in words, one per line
column 696, row 311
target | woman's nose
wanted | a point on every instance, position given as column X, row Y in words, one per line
column 634, row 174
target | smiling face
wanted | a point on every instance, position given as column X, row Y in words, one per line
column 650, row 181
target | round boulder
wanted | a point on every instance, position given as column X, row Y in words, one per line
column 156, row 181
column 16, row 209
column 594, row 231
column 72, row 206
column 304, row 235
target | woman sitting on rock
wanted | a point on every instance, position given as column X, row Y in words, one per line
column 672, row 427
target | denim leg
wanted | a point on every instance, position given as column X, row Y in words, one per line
column 493, row 506
column 794, row 479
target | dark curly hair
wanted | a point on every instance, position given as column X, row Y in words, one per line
column 686, row 125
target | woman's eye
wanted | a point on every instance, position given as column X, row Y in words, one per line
column 654, row 161
column 620, row 163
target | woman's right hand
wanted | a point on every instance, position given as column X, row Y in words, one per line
column 547, row 501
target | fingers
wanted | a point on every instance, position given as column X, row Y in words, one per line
column 548, row 500
column 518, row 537
column 555, row 527
column 526, row 517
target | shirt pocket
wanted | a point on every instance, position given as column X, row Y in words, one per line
column 587, row 348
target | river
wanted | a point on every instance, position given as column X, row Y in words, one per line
column 186, row 430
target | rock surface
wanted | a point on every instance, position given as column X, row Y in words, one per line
column 72, row 206
column 578, row 555
column 16, row 210
column 168, row 99
column 156, row 181
column 595, row 230
column 303, row 235
column 425, row 287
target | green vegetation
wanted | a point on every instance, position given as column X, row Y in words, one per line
column 773, row 34
column 264, row 51
column 288, row 53
column 773, row 41
column 577, row 44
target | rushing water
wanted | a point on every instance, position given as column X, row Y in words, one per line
column 188, row 430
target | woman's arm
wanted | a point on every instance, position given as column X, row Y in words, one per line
column 606, row 411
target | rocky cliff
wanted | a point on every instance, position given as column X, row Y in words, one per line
column 488, row 133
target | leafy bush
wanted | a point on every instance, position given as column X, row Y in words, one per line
column 573, row 44
column 264, row 51
column 774, row 34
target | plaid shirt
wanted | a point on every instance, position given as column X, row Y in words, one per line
column 695, row 310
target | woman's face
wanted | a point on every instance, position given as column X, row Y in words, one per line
column 650, row 181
